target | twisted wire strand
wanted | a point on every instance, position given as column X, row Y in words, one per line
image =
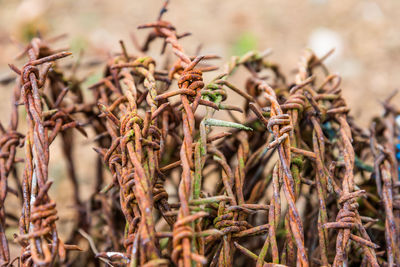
column 190, row 83
column 279, row 124
column 135, row 170
column 348, row 215
column 384, row 173
column 37, row 225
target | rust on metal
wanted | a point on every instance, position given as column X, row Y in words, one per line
column 287, row 178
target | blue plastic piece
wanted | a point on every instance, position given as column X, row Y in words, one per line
column 398, row 145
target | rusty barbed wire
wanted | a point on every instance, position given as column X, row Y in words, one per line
column 10, row 140
column 386, row 176
column 38, row 235
column 291, row 180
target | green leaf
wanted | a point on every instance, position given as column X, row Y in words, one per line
column 92, row 79
column 247, row 41
column 78, row 44
column 221, row 123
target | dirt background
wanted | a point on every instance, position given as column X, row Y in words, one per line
column 365, row 34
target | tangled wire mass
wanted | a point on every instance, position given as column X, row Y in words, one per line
column 290, row 181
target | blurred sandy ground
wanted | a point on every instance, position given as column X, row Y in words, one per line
column 365, row 34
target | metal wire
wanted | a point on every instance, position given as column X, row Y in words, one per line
column 290, row 181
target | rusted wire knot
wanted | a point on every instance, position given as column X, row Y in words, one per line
column 165, row 30
column 347, row 216
column 158, row 28
column 159, row 192
column 127, row 121
column 128, row 133
column 42, row 219
column 31, row 68
column 214, row 90
column 191, row 80
column 226, row 224
column 160, row 198
column 294, row 101
column 8, row 143
column 282, row 120
column 27, row 71
column 61, row 121
column 190, row 83
column 182, row 231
